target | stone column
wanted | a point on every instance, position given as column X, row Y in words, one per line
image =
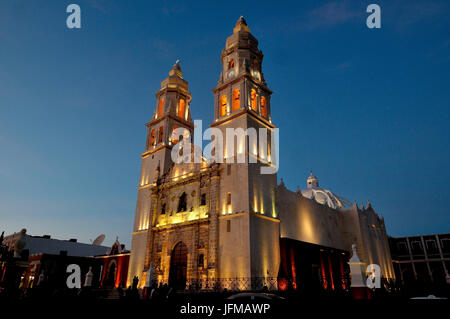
column 193, row 256
column 149, row 250
column 214, row 223
column 245, row 93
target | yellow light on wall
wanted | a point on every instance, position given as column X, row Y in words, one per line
column 224, row 207
column 261, row 199
column 241, row 146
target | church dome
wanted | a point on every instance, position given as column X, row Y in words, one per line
column 323, row 196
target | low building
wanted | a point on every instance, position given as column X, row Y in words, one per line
column 45, row 260
column 422, row 263
column 47, row 245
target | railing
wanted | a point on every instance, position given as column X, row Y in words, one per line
column 233, row 284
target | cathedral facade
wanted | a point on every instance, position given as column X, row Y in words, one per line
column 207, row 220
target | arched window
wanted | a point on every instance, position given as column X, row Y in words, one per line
column 152, row 138
column 201, row 260
column 223, row 105
column 182, row 203
column 253, row 99
column 174, row 137
column 160, row 106
column 181, row 108
column 229, row 199
column 231, row 64
column 163, row 209
column 236, row 99
column 203, row 200
column 263, row 107
column 160, row 135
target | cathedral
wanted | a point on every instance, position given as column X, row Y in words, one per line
column 221, row 222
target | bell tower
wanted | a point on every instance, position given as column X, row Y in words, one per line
column 241, row 85
column 172, row 111
column 247, row 197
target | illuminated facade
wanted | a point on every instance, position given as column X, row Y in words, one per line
column 206, row 221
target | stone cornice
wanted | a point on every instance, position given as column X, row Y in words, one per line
column 240, row 113
column 181, row 225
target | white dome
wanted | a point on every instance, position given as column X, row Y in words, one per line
column 323, row 196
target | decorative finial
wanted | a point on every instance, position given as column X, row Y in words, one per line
column 241, row 25
column 176, row 69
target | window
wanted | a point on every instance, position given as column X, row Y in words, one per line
column 152, row 138
column 161, row 133
column 163, row 209
column 445, row 245
column 431, row 246
column 231, row 64
column 229, row 199
column 174, row 137
column 263, row 107
column 228, row 226
column 253, row 99
column 223, row 105
column 181, row 108
column 229, row 169
column 402, row 248
column 416, row 246
column 201, row 260
column 236, row 99
column 160, row 107
column 203, row 200
column 182, row 203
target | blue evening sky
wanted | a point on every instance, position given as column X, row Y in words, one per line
column 366, row 110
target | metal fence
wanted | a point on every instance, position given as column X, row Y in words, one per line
column 233, row 284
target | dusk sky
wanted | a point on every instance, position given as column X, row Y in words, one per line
column 367, row 110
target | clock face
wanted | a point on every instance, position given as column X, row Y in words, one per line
column 230, row 74
column 257, row 75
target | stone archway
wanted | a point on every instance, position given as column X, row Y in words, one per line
column 178, row 266
column 110, row 277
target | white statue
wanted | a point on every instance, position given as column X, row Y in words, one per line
column 149, row 276
column 40, row 279
column 88, row 280
column 20, row 243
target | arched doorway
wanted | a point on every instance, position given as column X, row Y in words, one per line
column 178, row 266
column 110, row 278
